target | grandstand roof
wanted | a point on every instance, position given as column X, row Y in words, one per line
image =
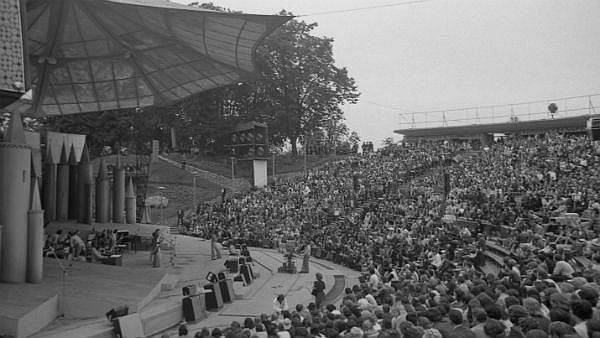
column 575, row 122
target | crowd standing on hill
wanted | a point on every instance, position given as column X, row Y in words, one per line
column 416, row 219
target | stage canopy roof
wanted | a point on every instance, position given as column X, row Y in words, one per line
column 93, row 55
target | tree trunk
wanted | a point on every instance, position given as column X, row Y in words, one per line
column 294, row 145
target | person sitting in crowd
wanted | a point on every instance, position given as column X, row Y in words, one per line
column 280, row 304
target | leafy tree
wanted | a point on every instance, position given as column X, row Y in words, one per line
column 300, row 90
column 354, row 141
column 301, row 84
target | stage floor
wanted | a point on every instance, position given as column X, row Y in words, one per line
column 258, row 296
column 92, row 289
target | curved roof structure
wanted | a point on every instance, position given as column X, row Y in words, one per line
column 93, row 55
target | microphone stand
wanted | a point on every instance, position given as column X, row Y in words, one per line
column 63, row 286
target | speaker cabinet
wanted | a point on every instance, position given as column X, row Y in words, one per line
column 194, row 308
column 232, row 265
column 226, row 286
column 189, row 290
column 129, row 326
column 213, row 297
column 119, row 311
column 249, row 140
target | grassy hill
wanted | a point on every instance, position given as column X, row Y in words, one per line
column 178, row 184
column 178, row 189
column 284, row 164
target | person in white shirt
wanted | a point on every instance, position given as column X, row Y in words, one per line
column 280, row 304
column 373, row 279
column 563, row 270
column 436, row 260
column 77, row 244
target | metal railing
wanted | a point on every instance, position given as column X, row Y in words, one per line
column 513, row 112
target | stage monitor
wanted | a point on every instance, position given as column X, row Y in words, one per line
column 211, row 277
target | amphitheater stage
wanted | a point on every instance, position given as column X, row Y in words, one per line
column 155, row 293
column 85, row 291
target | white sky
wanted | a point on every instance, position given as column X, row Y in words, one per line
column 445, row 54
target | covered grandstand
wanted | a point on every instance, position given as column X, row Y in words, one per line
column 485, row 132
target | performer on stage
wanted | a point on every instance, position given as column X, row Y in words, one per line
column 157, row 239
column 215, row 253
column 305, row 257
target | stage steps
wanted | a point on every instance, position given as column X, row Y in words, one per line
column 339, row 285
column 154, row 320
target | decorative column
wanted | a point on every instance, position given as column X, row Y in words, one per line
column 155, row 151
column 62, row 186
column 73, row 185
column 85, row 185
column 102, row 194
column 35, row 235
column 49, row 183
column 118, row 192
column 130, row 203
column 15, row 179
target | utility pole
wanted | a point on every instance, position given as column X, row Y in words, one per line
column 305, row 155
column 274, row 176
column 194, row 195
column 232, row 173
column 162, row 207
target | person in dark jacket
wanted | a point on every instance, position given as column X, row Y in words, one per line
column 319, row 290
column 459, row 330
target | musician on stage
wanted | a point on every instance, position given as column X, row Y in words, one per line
column 157, row 239
column 215, row 253
column 305, row 253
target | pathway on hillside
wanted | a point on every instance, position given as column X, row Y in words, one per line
column 236, row 184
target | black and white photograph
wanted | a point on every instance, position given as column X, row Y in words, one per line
column 300, row 169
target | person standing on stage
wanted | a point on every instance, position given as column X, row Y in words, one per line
column 305, row 258
column 319, row 290
column 157, row 239
column 214, row 248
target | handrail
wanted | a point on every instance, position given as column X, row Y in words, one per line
column 505, row 113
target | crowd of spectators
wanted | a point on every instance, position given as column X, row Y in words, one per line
column 398, row 215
